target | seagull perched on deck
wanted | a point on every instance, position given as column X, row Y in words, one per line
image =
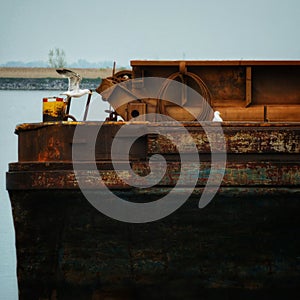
column 217, row 117
column 74, row 80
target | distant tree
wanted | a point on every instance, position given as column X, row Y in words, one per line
column 57, row 58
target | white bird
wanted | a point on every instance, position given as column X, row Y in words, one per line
column 217, row 117
column 74, row 81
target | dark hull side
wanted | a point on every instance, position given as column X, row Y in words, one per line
column 243, row 245
column 236, row 247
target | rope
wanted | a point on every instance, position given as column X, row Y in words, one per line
column 204, row 91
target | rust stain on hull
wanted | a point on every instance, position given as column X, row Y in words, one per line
column 263, row 174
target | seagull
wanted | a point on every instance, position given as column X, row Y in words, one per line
column 74, row 80
column 217, row 117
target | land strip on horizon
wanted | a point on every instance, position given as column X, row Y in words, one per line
column 12, row 72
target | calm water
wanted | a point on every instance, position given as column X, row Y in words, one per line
column 23, row 107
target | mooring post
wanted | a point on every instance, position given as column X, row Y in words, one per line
column 87, row 106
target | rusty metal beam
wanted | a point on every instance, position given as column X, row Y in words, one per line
column 252, row 173
column 165, row 63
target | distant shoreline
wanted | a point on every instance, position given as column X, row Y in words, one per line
column 12, row 72
column 44, row 83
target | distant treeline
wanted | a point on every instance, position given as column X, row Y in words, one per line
column 43, row 84
column 81, row 63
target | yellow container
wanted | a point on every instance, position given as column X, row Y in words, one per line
column 54, row 109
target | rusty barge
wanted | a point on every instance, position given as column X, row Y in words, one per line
column 243, row 244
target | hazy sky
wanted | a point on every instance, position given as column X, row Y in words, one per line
column 98, row 30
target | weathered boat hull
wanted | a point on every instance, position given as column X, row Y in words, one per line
column 237, row 246
column 242, row 244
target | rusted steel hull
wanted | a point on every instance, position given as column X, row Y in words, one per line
column 244, row 243
column 237, row 246
column 270, row 158
column 262, row 174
